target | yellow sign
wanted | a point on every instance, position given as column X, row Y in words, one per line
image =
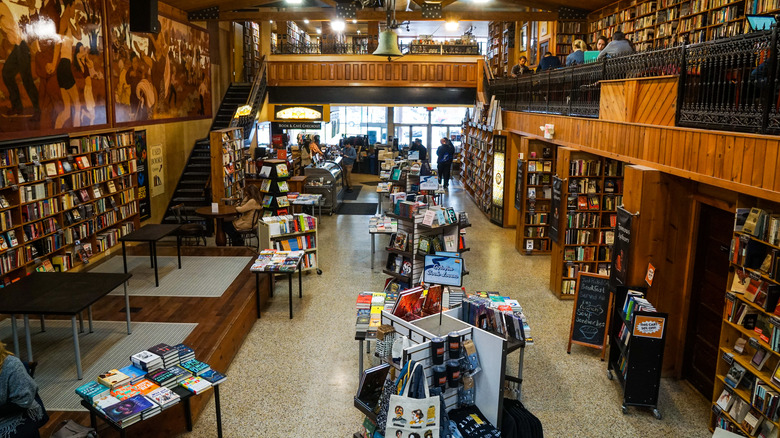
column 649, row 326
column 244, row 110
column 284, row 112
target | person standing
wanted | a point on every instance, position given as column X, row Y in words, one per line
column 418, row 146
column 348, row 157
column 445, row 152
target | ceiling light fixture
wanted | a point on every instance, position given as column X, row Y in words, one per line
column 305, row 21
column 338, row 25
column 271, row 21
column 319, row 31
column 358, row 31
column 451, row 25
column 294, row 2
column 354, row 21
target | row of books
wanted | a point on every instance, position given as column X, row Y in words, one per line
column 498, row 314
column 296, row 243
column 281, row 171
column 749, row 414
column 759, row 223
column 265, row 186
column 270, row 260
column 539, row 166
column 287, row 224
column 437, row 216
column 541, row 193
column 144, row 388
column 382, row 224
column 39, row 209
column 571, row 269
column 583, row 220
column 635, row 301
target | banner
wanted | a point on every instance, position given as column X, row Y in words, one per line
column 519, row 185
column 621, row 249
column 144, row 203
column 555, row 208
column 157, row 174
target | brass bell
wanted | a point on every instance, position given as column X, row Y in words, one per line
column 388, row 45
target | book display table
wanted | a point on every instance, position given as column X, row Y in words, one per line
column 271, row 261
column 310, row 199
column 151, row 233
column 380, row 225
column 59, row 293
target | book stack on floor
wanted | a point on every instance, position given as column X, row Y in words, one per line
column 140, row 391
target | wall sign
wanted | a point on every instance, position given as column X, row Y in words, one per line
column 519, row 184
column 156, row 165
column 299, row 125
column 621, row 249
column 591, row 311
column 555, row 206
column 312, row 113
column 144, row 203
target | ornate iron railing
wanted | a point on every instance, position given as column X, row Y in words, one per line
column 323, row 49
column 730, row 84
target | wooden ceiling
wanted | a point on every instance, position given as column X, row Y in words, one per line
column 498, row 10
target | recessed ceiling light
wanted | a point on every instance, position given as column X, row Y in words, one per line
column 306, row 21
column 354, row 21
column 358, row 31
column 319, row 31
column 451, row 25
column 294, row 2
column 338, row 25
column 271, row 21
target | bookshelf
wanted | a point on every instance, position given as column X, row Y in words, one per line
column 636, row 356
column 750, row 314
column 566, row 33
column 501, row 47
column 477, row 171
column 533, row 223
column 274, row 187
column 227, row 164
column 292, row 233
column 590, row 195
column 251, row 50
column 59, row 196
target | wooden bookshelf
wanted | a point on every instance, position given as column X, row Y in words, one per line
column 591, row 193
column 566, row 33
column 501, row 47
column 227, row 164
column 306, row 238
column 60, row 195
column 252, row 55
column 534, row 217
column 477, row 171
column 747, row 254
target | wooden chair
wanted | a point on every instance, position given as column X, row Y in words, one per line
column 252, row 233
column 188, row 230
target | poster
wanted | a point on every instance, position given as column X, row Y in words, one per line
column 144, row 203
column 447, row 271
column 519, row 185
column 158, row 77
column 156, row 173
column 52, row 64
column 621, row 249
column 555, row 208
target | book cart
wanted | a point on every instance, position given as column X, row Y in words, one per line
column 747, row 379
column 535, row 197
column 64, row 199
column 227, row 164
column 592, row 190
column 491, row 349
column 292, row 233
column 636, row 352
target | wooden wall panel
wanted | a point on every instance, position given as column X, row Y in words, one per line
column 652, row 101
column 744, row 163
column 373, row 73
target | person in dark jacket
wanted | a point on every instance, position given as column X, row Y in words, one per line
column 418, row 146
column 549, row 62
column 619, row 46
column 446, row 153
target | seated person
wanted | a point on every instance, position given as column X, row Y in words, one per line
column 20, row 412
column 577, row 56
column 619, row 46
column 252, row 201
column 601, row 43
column 549, row 62
column 521, row 67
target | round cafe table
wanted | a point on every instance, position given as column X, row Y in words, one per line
column 224, row 212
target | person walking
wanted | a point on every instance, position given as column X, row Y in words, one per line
column 348, row 157
column 446, row 153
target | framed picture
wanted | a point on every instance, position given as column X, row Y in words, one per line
column 542, row 29
column 524, row 38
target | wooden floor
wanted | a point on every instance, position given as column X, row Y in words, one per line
column 223, row 323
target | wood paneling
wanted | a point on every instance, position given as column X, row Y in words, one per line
column 305, row 73
column 652, row 101
column 739, row 162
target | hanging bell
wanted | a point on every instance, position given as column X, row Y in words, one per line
column 388, row 45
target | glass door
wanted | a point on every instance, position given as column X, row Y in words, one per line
column 421, row 132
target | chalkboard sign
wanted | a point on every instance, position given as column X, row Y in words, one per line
column 590, row 315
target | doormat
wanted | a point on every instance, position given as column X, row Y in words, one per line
column 358, row 208
column 355, row 193
column 371, row 183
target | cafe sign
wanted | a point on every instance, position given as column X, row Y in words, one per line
column 310, row 113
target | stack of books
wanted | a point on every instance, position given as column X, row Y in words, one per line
column 93, row 391
column 113, row 379
column 164, row 397
column 498, row 314
column 169, row 355
column 124, row 392
column 146, row 360
column 271, row 260
column 179, row 372
column 128, row 411
column 136, row 374
column 363, row 311
column 213, row 377
column 162, row 377
column 196, row 367
column 185, row 353
column 195, row 384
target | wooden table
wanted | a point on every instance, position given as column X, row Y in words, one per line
column 151, row 233
column 59, row 293
column 224, row 211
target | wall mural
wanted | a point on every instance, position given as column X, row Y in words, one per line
column 52, row 66
column 162, row 76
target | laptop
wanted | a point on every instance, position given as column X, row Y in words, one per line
column 591, row 55
column 759, row 22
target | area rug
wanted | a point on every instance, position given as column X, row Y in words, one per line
column 352, row 196
column 358, row 208
column 107, row 347
column 198, row 276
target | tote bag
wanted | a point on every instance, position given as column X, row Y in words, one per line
column 413, row 417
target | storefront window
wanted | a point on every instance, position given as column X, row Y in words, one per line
column 447, row 115
column 411, row 115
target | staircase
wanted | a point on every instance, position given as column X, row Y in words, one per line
column 192, row 188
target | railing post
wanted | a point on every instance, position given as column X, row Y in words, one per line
column 768, row 90
column 681, row 79
column 571, row 90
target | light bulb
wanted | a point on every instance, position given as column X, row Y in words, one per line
column 451, row 25
column 319, row 31
column 338, row 25
column 305, row 21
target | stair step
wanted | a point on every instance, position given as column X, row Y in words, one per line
column 206, row 174
column 185, row 199
column 184, row 191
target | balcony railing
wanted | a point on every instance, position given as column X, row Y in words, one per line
column 729, row 84
column 367, row 49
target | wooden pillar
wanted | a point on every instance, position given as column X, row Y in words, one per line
column 510, row 176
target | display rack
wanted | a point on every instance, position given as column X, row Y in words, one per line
column 292, row 233
column 590, row 196
column 750, row 314
column 63, row 199
column 636, row 352
column 273, row 186
column 534, row 222
column 227, row 165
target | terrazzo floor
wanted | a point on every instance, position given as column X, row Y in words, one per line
column 298, row 377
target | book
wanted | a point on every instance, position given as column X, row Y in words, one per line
column 370, row 387
column 399, row 242
column 751, row 222
column 739, row 346
column 265, row 172
column 213, row 377
column 740, row 217
column 196, row 367
column 752, row 420
column 103, row 402
column 735, row 374
column 145, row 386
column 179, row 372
column 124, row 392
column 185, row 353
column 125, row 410
column 739, row 409
column 281, row 170
column 759, row 358
column 146, row 360
column 164, row 397
column 195, row 384
column 93, row 390
column 136, row 374
column 726, row 399
column 113, row 379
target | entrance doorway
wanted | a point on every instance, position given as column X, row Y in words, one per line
column 710, row 277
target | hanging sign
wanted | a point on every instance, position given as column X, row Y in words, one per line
column 309, row 113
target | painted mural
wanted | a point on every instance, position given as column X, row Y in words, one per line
column 52, row 66
column 157, row 77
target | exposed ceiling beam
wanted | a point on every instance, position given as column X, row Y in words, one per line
column 244, row 4
column 446, row 3
column 318, row 14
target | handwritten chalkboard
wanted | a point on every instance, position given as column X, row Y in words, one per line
column 591, row 312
